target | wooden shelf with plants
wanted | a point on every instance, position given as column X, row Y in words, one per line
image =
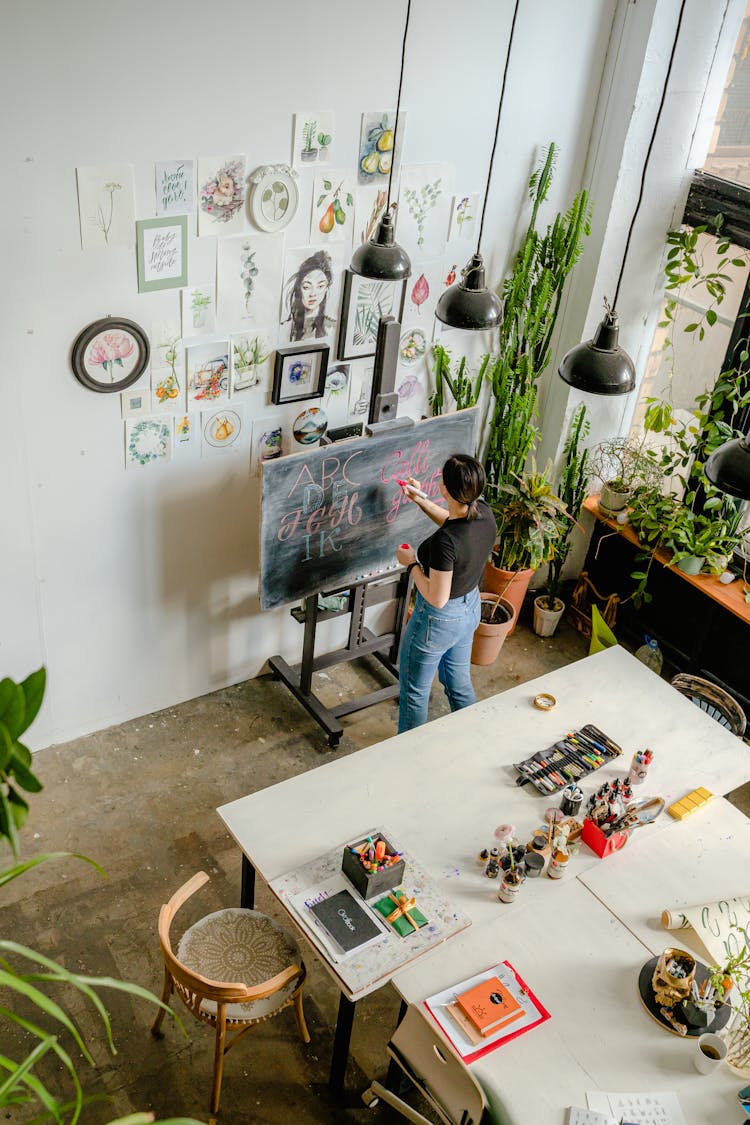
column 730, row 596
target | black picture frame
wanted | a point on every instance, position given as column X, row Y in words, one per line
column 106, row 347
column 353, row 283
column 287, row 383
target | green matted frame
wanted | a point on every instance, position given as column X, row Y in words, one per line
column 171, row 280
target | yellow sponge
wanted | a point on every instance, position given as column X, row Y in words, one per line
column 690, row 804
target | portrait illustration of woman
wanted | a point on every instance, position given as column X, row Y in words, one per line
column 306, row 298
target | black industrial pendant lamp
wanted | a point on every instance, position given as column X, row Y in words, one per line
column 381, row 256
column 600, row 366
column 469, row 303
column 728, row 467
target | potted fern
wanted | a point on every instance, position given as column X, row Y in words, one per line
column 549, row 606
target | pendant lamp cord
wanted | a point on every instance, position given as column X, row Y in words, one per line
column 497, row 124
column 648, row 154
column 398, row 102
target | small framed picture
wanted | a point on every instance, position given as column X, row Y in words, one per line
column 365, row 300
column 299, row 373
column 110, row 354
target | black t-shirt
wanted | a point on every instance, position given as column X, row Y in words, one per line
column 462, row 546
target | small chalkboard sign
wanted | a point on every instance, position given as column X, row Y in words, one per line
column 336, row 513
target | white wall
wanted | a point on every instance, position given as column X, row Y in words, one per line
column 139, row 590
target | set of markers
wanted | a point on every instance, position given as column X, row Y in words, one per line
column 373, row 856
column 579, row 753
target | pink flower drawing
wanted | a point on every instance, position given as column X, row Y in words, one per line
column 109, row 350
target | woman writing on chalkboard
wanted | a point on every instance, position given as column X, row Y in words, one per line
column 446, row 569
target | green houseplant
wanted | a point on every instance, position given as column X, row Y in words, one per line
column 529, row 519
column 622, row 465
column 732, row 983
column 549, row 606
column 26, row 974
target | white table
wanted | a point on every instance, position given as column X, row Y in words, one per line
column 583, row 965
column 442, row 789
column 699, row 860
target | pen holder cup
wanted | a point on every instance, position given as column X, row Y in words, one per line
column 600, row 844
column 372, row 883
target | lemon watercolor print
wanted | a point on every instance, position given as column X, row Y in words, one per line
column 333, row 208
column 377, row 146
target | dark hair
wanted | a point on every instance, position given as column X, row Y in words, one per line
column 464, row 478
column 321, row 260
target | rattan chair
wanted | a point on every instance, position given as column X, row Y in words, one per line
column 224, row 945
column 716, row 702
column 440, row 1076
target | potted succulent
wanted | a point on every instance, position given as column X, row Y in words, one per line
column 549, row 606
column 622, row 465
column 324, row 140
column 529, row 521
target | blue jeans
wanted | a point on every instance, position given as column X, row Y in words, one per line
column 437, row 640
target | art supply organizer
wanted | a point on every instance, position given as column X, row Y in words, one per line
column 572, row 757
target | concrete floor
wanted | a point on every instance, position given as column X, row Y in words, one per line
column 140, row 798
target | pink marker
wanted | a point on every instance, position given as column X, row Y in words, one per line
column 412, row 489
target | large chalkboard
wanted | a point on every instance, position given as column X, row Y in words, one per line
column 335, row 513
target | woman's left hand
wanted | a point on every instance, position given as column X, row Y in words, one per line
column 405, row 555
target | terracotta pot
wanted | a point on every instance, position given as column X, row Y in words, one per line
column 510, row 584
column 546, row 620
column 489, row 638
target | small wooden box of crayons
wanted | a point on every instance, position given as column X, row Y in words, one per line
column 579, row 753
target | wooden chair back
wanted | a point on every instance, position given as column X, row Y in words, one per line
column 712, row 699
column 194, row 988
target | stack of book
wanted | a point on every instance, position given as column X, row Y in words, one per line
column 485, row 1009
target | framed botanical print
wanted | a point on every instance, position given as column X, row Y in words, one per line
column 110, row 354
column 299, row 373
column 161, row 253
column 274, row 196
column 365, row 300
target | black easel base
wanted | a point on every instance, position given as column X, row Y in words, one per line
column 384, row 647
column 327, row 717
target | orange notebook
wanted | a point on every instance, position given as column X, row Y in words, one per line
column 489, row 1006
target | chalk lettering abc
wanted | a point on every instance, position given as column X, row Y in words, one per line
column 346, row 919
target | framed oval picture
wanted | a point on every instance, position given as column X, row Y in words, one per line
column 110, row 354
column 275, row 196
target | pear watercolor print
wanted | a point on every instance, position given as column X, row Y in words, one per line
column 378, row 151
column 313, row 138
column 221, row 430
column 106, row 205
column 332, row 208
column 221, row 195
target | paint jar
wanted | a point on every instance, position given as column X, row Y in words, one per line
column 510, row 886
column 493, row 865
column 558, row 865
column 483, row 857
column 518, row 857
column 534, row 862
